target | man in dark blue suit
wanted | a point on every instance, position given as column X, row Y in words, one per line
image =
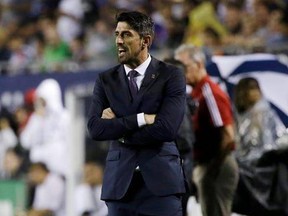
column 139, row 104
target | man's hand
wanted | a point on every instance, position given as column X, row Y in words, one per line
column 149, row 118
column 108, row 114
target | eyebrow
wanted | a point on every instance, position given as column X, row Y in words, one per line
column 124, row 31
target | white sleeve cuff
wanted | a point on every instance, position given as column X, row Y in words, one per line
column 140, row 119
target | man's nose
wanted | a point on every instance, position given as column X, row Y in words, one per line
column 119, row 40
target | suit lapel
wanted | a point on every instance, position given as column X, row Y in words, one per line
column 150, row 77
column 119, row 86
column 124, row 83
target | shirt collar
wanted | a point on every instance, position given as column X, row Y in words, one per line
column 197, row 89
column 141, row 69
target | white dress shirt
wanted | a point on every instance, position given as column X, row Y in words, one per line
column 87, row 199
column 141, row 69
column 50, row 195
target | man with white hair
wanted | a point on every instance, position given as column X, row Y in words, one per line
column 215, row 173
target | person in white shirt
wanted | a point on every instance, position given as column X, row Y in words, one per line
column 88, row 202
column 49, row 192
column 46, row 134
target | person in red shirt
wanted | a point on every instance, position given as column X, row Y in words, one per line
column 216, row 172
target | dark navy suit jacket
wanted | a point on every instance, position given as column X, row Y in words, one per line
column 150, row 147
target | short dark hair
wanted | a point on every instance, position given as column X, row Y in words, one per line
column 241, row 89
column 247, row 83
column 140, row 22
column 40, row 165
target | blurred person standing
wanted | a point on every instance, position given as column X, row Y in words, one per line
column 257, row 123
column 185, row 138
column 88, row 193
column 49, row 194
column 215, row 172
column 139, row 104
column 8, row 139
column 260, row 134
column 15, row 164
column 46, row 133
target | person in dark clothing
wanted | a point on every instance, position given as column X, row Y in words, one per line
column 185, row 139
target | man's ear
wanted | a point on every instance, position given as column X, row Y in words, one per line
column 147, row 41
column 199, row 64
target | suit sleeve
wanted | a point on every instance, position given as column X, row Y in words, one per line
column 169, row 117
column 107, row 129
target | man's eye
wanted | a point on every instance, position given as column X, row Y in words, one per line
column 126, row 34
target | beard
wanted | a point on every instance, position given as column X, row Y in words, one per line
column 128, row 58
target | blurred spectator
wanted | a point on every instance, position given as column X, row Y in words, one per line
column 178, row 22
column 45, row 8
column 49, row 192
column 8, row 139
column 4, row 53
column 212, row 43
column 161, row 18
column 215, row 172
column 46, row 133
column 185, row 139
column 233, row 17
column 15, row 164
column 99, row 41
column 19, row 59
column 128, row 4
column 88, row 202
column 201, row 16
column 69, row 23
column 55, row 51
column 260, row 153
column 79, row 57
column 242, row 27
column 91, row 11
column 23, row 113
column 14, row 10
column 264, row 11
column 258, row 125
column 278, row 42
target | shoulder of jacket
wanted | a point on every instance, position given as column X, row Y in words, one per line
column 110, row 70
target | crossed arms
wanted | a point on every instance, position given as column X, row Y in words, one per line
column 104, row 124
column 109, row 114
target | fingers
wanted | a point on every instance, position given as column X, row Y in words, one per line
column 108, row 114
column 149, row 118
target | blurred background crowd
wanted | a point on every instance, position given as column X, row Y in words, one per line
column 39, row 36
column 62, row 36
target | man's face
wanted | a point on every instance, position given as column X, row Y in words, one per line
column 36, row 175
column 129, row 45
